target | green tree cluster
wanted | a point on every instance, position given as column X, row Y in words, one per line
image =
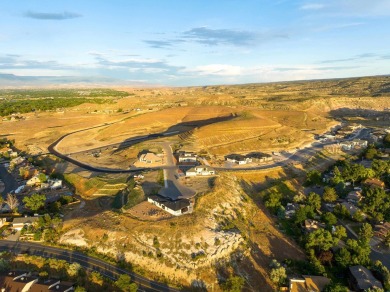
column 34, row 202
column 124, row 284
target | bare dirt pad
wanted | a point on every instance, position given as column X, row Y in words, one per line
column 185, row 249
column 146, row 211
column 140, row 125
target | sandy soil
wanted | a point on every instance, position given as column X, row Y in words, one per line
column 146, row 211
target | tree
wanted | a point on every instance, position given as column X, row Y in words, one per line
column 234, row 284
column 336, row 287
column 325, row 257
column 376, row 203
column 358, row 216
column 273, row 201
column 329, row 219
column 360, row 252
column 313, row 177
column 343, row 257
column 34, row 202
column 365, row 233
column 384, row 274
column 320, row 240
column 278, row 273
column 4, row 265
column 303, row 213
column 371, row 153
column 12, row 202
column 124, row 284
column 387, row 239
column 42, row 177
column 329, row 195
column 80, row 289
column 341, row 211
column 386, row 140
column 1, row 201
column 337, row 177
column 314, row 200
column 340, row 232
column 380, row 167
column 73, row 269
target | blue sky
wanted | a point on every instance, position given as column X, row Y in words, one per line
column 193, row 42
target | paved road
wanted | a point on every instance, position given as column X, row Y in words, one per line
column 173, row 189
column 85, row 261
column 297, row 157
column 9, row 181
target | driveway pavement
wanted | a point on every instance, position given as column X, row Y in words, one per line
column 14, row 237
column 10, row 182
column 172, row 188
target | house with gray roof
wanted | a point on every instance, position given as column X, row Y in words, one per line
column 174, row 207
column 361, row 279
column 19, row 223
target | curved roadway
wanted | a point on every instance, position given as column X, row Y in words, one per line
column 110, row 271
column 298, row 156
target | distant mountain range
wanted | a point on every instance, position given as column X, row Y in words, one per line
column 12, row 81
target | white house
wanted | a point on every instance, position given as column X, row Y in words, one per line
column 176, row 208
column 200, row 170
column 55, row 183
column 12, row 154
column 19, row 223
column 359, row 143
column 2, row 221
column 347, row 145
column 33, row 181
column 291, row 209
column 238, row 158
column 18, row 160
column 187, row 157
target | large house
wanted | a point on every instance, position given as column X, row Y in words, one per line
column 238, row 158
column 55, row 183
column 359, row 143
column 259, row 157
column 352, row 209
column 2, row 221
column 374, row 183
column 174, row 207
column 382, row 230
column 361, row 279
column 347, row 145
column 312, row 225
column 308, row 284
column 150, row 157
column 290, row 209
column 333, row 148
column 35, row 180
column 19, row 281
column 187, row 157
column 200, row 170
column 19, row 223
column 354, row 197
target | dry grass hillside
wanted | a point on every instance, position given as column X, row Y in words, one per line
column 203, row 246
column 271, row 116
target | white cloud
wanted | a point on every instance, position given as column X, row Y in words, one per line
column 360, row 8
column 217, row 70
column 312, row 6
